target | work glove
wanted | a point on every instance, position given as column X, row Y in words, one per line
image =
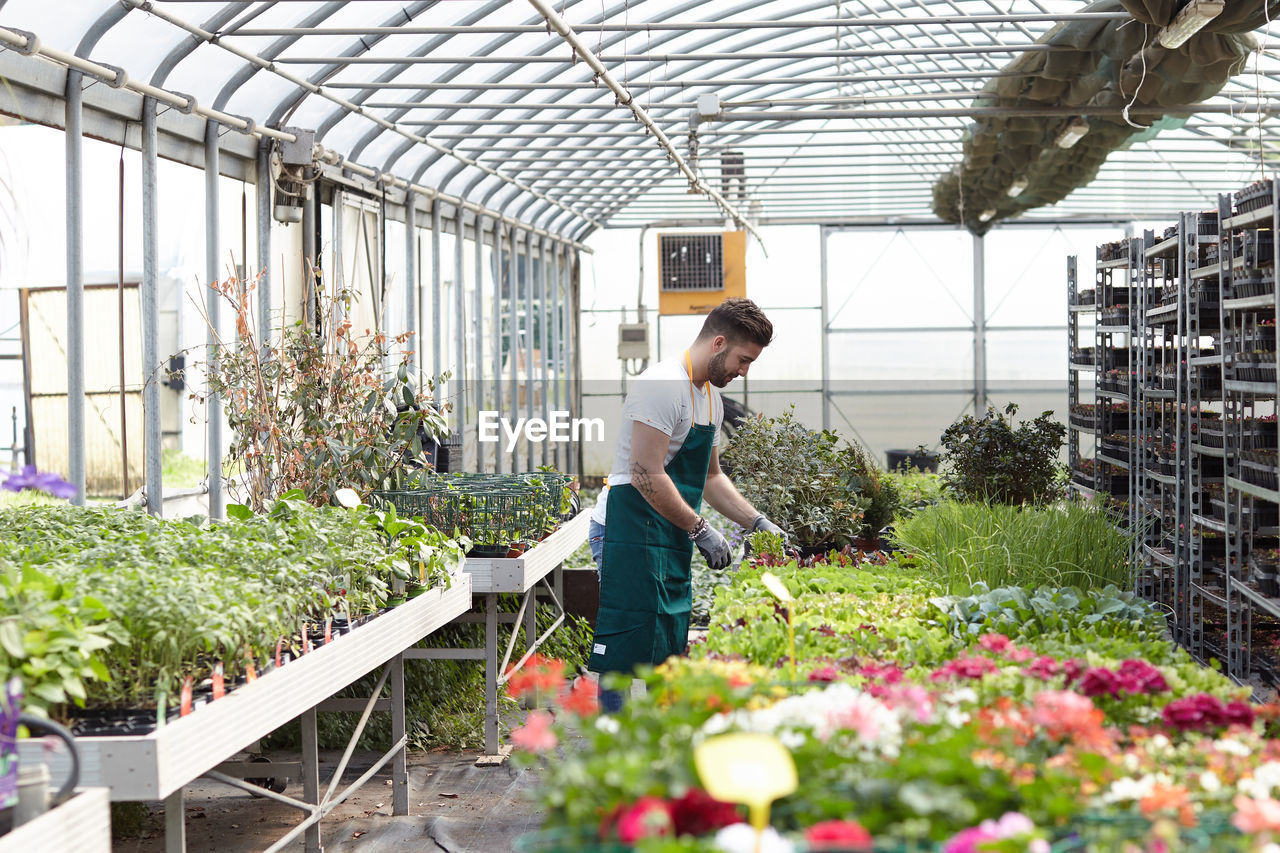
column 714, row 547
column 764, row 524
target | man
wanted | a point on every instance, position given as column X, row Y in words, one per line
column 646, row 522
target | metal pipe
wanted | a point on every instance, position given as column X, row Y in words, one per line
column 825, row 322
column 659, row 58
column 75, row 288
column 980, row 325
column 411, row 285
column 694, row 82
column 513, row 330
column 151, row 366
column 689, row 26
column 262, row 195
column 460, row 339
column 213, row 311
column 565, row 106
column 528, row 329
column 544, row 344
column 556, row 378
column 124, row 408
column 477, row 311
column 437, row 330
column 990, row 112
column 625, row 98
column 497, row 333
column 310, row 258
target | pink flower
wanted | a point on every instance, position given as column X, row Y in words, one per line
column 1100, row 682
column 1254, row 816
column 1019, row 654
column 1043, row 667
column 698, row 813
column 837, row 834
column 1195, row 713
column 648, row 817
column 1073, row 668
column 536, row 734
column 964, row 667
column 997, row 643
column 1138, row 676
column 1012, row 825
column 826, row 674
column 1238, row 714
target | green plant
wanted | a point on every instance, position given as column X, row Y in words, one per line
column 802, row 480
column 317, row 413
column 1071, row 544
column 988, row 459
column 879, row 491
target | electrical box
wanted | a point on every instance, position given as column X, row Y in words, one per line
column 633, row 340
column 696, row 272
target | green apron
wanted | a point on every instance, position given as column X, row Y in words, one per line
column 645, row 591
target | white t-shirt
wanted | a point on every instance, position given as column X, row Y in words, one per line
column 660, row 398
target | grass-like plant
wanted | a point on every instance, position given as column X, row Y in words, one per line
column 1065, row 544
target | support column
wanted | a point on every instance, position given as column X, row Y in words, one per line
column 491, row 672
column 497, row 335
column 825, row 330
column 75, row 288
column 528, row 342
column 554, row 346
column 399, row 764
column 411, row 282
column 310, row 256
column 544, row 339
column 979, row 326
column 477, row 320
column 513, row 335
column 213, row 311
column 151, row 366
column 460, row 344
column 437, row 348
column 311, row 776
column 263, row 196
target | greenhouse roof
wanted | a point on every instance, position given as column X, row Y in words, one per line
column 578, row 115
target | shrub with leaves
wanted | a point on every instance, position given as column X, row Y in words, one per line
column 801, row 479
column 319, row 413
column 989, row 459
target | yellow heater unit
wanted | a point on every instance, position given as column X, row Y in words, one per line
column 696, row 272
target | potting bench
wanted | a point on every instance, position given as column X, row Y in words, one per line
column 157, row 766
column 495, row 576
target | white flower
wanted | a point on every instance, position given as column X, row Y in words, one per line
column 1209, row 782
column 1231, row 746
column 1265, row 779
column 608, row 724
column 1130, row 762
column 1127, row 789
column 1160, row 742
column 1271, row 847
column 955, row 718
column 961, row 695
column 741, row 838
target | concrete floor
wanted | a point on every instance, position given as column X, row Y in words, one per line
column 454, row 806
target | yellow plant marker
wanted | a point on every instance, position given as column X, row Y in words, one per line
column 348, row 498
column 779, row 590
column 750, row 769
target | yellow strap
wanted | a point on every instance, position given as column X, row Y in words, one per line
column 706, row 387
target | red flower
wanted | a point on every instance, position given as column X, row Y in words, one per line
column 582, row 699
column 1238, row 714
column 698, row 813
column 1073, row 668
column 1043, row 667
column 1100, row 681
column 536, row 734
column 964, row 667
column 997, row 643
column 1195, row 713
column 1138, row 676
column 826, row 674
column 539, row 674
column 837, row 834
column 648, row 817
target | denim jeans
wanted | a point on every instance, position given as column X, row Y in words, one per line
column 610, row 700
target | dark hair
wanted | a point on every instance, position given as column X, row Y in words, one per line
column 740, row 321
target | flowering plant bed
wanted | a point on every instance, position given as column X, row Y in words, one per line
column 918, row 720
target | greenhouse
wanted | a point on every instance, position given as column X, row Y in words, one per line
column 645, row 425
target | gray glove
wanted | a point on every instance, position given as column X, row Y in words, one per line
column 714, row 547
column 764, row 524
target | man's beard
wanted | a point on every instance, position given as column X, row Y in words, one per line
column 716, row 372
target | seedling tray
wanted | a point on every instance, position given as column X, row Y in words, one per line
column 520, row 574
column 151, row 767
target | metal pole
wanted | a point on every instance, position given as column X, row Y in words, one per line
column 310, row 260
column 124, row 409
column 460, row 342
column 478, row 331
column 825, row 322
column 436, row 357
column 528, row 340
column 213, row 309
column 150, row 313
column 554, row 345
column 497, row 333
column 513, row 331
column 262, row 194
column 411, row 281
column 544, row 341
column 75, row 289
column 979, row 325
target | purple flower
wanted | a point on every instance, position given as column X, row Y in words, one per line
column 41, row 481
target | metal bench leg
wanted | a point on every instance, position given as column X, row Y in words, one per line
column 491, row 673
column 311, row 775
column 175, row 823
column 399, row 764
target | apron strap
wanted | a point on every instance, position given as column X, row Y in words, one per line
column 706, row 388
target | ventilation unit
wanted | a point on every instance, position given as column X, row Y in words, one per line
column 696, row 272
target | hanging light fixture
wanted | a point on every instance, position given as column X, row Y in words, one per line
column 1190, row 21
column 986, row 215
column 1072, row 133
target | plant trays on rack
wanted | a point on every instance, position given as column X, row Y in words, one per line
column 1256, row 367
column 1253, row 197
column 1116, row 315
column 1259, row 468
column 1114, row 380
column 1113, row 250
column 1116, row 445
column 1256, row 249
column 1086, row 297
column 1264, row 570
column 1083, row 416
column 1254, row 285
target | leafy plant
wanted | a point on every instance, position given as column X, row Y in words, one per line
column 802, row 480
column 319, row 412
column 963, row 544
column 988, row 459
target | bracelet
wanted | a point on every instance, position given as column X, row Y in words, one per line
column 699, row 528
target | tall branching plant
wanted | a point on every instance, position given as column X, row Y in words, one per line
column 319, row 412
column 991, row 459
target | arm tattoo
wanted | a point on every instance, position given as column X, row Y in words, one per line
column 641, row 480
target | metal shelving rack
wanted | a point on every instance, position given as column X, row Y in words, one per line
column 1082, row 405
column 1115, row 360
column 1250, row 304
